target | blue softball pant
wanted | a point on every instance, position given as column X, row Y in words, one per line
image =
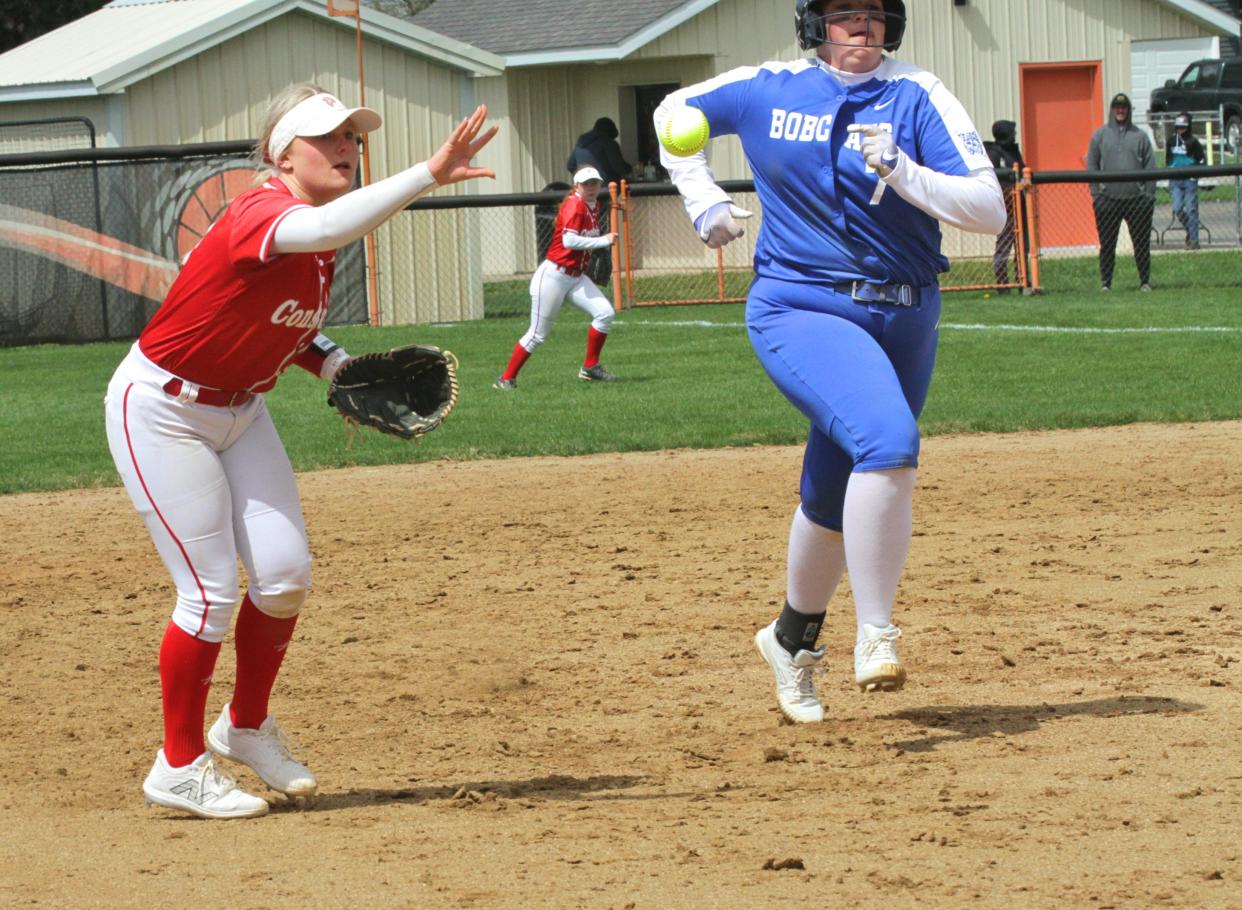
column 858, row 371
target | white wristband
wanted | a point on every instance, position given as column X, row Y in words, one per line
column 332, row 363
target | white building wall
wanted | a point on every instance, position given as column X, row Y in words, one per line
column 424, row 260
column 976, row 49
column 104, row 113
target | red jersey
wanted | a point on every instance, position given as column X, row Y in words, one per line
column 577, row 216
column 238, row 314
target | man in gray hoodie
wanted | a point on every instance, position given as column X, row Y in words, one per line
column 1121, row 146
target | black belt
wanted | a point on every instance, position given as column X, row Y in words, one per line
column 869, row 292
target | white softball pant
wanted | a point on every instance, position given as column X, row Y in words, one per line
column 212, row 484
column 549, row 287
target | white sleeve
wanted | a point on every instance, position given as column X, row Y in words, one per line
column 691, row 175
column 572, row 240
column 972, row 203
column 313, row 229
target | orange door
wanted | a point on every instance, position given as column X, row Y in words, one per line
column 1062, row 105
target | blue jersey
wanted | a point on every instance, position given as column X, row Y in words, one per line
column 826, row 215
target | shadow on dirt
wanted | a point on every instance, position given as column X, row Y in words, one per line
column 483, row 793
column 979, row 721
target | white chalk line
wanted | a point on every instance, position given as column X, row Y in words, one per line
column 951, row 326
column 980, row 327
column 1089, row 330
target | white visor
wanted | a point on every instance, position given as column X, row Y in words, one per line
column 317, row 116
column 587, row 173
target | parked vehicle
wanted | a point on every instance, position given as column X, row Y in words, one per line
column 1206, row 85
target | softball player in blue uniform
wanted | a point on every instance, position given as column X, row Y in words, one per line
column 856, row 158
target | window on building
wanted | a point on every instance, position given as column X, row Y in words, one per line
column 646, row 98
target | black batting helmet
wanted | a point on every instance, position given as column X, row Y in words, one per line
column 809, row 24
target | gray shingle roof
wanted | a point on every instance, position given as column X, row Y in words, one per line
column 525, row 26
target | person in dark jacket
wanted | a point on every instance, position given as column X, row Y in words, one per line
column 1006, row 157
column 1119, row 145
column 598, row 148
column 1184, row 150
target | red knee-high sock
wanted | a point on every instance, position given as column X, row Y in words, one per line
column 186, row 665
column 519, row 356
column 595, row 344
column 261, row 641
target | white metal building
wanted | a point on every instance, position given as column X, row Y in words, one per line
column 169, row 72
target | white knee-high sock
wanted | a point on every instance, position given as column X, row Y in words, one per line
column 814, row 566
column 878, row 522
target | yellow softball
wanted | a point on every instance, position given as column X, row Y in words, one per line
column 685, row 131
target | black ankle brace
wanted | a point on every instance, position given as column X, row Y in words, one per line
column 798, row 631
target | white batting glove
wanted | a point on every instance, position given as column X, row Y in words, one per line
column 719, row 224
column 878, row 148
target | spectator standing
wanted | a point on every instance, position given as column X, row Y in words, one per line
column 598, row 148
column 1184, row 150
column 1005, row 156
column 1119, row 145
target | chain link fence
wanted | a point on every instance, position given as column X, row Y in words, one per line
column 1057, row 238
column 1220, row 134
column 502, row 240
column 91, row 239
column 1179, row 227
column 664, row 262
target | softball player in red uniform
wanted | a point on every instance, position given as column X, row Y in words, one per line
column 196, row 448
column 562, row 275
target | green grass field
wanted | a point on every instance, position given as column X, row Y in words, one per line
column 690, row 380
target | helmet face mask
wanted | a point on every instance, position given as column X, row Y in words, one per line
column 810, row 24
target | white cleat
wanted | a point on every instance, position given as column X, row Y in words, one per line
column 877, row 668
column 200, row 789
column 265, row 752
column 795, row 687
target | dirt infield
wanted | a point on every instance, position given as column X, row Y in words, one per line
column 532, row 683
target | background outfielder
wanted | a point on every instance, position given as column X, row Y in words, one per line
column 198, row 452
column 562, row 275
column 855, row 158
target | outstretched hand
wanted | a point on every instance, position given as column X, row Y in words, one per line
column 451, row 162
